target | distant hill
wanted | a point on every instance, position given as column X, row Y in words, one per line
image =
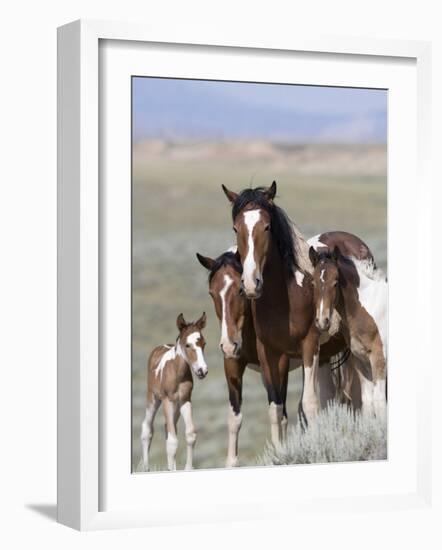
column 328, row 159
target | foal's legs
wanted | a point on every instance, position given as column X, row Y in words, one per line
column 234, row 371
column 367, row 386
column 186, row 413
column 169, row 408
column 310, row 358
column 147, row 429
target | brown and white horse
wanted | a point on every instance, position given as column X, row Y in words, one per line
column 170, row 382
column 277, row 278
column 359, row 292
column 238, row 339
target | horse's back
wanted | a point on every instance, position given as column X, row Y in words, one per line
column 349, row 244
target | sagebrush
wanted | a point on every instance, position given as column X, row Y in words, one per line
column 339, row 434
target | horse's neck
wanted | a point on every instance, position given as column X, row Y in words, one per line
column 302, row 250
column 180, row 364
column 348, row 303
column 274, row 270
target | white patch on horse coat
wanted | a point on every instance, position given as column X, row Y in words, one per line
column 321, row 308
column 168, row 356
column 233, row 249
column 316, row 243
column 192, row 339
column 227, row 284
column 373, row 296
column 234, row 422
column 299, row 278
column 321, row 276
column 251, row 218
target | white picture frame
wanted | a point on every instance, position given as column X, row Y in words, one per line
column 80, row 274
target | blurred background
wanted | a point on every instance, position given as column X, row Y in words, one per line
column 326, row 148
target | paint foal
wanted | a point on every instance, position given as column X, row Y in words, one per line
column 238, row 339
column 170, row 382
column 359, row 292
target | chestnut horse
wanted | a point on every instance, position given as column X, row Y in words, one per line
column 277, row 278
column 358, row 291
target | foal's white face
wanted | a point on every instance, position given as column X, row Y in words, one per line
column 325, row 283
column 193, row 351
column 191, row 344
column 230, row 309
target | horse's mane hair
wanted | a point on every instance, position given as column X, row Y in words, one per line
column 280, row 224
column 227, row 258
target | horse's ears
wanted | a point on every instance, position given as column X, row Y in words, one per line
column 201, row 323
column 180, row 322
column 313, row 255
column 205, row 261
column 271, row 191
column 336, row 253
column 231, row 195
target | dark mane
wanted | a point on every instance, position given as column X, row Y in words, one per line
column 346, row 267
column 280, row 224
column 228, row 258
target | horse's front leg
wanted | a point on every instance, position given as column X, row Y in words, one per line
column 310, row 358
column 379, row 370
column 269, row 363
column 284, row 378
column 234, row 371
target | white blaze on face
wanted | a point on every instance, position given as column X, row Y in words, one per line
column 320, row 313
column 225, row 341
column 200, row 362
column 249, row 268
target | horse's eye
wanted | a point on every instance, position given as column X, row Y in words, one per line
column 236, row 230
column 187, row 345
column 335, row 283
column 267, row 227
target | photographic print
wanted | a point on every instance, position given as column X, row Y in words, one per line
column 259, row 274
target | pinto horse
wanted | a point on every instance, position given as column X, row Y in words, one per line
column 170, row 382
column 277, row 279
column 238, row 340
column 358, row 291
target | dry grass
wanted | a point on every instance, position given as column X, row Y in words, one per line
column 338, row 435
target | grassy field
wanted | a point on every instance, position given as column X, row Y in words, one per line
column 179, row 209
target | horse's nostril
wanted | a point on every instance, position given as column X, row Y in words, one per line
column 221, row 347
